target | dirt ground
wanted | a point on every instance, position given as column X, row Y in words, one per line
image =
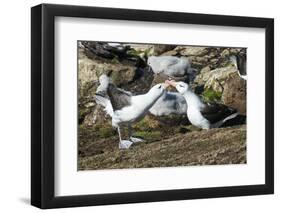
column 180, row 148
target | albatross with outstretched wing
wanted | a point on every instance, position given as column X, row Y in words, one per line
column 125, row 108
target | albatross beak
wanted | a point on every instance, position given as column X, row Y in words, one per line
column 171, row 82
column 165, row 85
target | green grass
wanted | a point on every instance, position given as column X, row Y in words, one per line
column 149, row 136
column 146, row 124
column 210, row 95
column 106, row 132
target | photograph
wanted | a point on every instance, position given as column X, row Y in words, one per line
column 160, row 105
column 121, row 96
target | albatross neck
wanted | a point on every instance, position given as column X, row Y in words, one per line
column 192, row 99
column 147, row 100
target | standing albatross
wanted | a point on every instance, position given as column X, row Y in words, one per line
column 125, row 108
column 240, row 64
column 200, row 114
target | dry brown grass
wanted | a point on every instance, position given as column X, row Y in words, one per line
column 205, row 147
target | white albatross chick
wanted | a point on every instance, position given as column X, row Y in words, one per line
column 171, row 66
column 169, row 103
column 125, row 108
column 200, row 114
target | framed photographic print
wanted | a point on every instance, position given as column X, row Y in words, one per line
column 139, row 106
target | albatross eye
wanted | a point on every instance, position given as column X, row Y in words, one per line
column 159, row 87
column 181, row 85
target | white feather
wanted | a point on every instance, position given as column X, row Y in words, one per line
column 169, row 65
column 169, row 103
column 104, row 82
column 105, row 103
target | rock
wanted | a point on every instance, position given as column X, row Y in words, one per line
column 223, row 84
column 201, row 59
column 170, row 53
column 234, row 51
column 214, row 60
column 192, row 51
column 96, row 116
column 159, row 78
column 90, row 104
column 141, row 48
column 225, row 53
column 90, row 69
column 87, row 71
column 106, row 50
column 149, row 50
column 158, row 49
column 124, row 74
column 201, row 79
column 141, row 82
column 121, row 74
column 215, row 79
column 234, row 93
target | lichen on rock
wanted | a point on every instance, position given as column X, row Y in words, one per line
column 235, row 93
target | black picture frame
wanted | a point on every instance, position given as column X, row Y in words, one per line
column 43, row 102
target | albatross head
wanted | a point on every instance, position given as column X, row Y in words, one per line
column 158, row 89
column 180, row 86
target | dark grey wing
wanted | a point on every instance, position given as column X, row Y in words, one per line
column 119, row 98
column 215, row 112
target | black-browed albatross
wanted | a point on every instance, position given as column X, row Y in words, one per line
column 125, row 108
column 239, row 62
column 200, row 114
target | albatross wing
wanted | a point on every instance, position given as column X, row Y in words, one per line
column 103, row 101
column 215, row 112
column 119, row 98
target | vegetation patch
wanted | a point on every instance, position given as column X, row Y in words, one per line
column 146, row 124
column 210, row 95
column 106, row 132
column 149, row 136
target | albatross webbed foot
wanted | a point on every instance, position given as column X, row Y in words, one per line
column 125, row 144
column 136, row 140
